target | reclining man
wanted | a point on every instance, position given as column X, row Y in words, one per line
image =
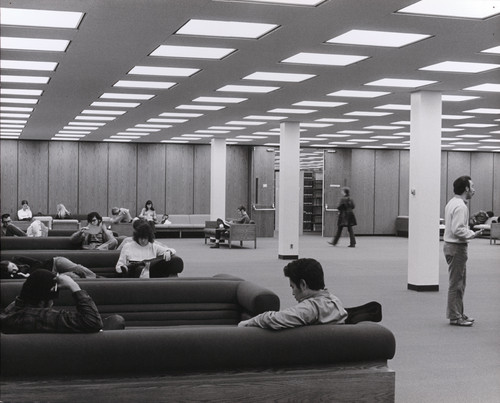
column 315, row 303
column 32, row 310
column 223, row 226
column 9, row 229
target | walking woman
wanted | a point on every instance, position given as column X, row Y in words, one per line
column 346, row 218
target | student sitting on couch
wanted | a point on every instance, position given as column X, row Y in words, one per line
column 95, row 235
column 315, row 303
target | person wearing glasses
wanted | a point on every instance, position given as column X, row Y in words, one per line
column 95, row 235
column 9, row 229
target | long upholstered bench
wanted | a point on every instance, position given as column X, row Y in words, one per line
column 41, row 243
column 182, row 337
column 182, row 224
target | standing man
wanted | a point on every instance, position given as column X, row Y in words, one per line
column 456, row 237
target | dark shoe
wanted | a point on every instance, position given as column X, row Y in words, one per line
column 461, row 322
column 467, row 318
column 331, row 243
column 215, row 246
column 351, row 246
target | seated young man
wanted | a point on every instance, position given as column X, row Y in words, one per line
column 95, row 235
column 223, row 225
column 315, row 303
column 9, row 229
column 32, row 310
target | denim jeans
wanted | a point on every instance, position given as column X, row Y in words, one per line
column 456, row 257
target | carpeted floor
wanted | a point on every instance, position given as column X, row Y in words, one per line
column 434, row 362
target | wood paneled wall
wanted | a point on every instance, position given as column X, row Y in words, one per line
column 97, row 176
column 379, row 182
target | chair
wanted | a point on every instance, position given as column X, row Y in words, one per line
column 494, row 232
column 237, row 232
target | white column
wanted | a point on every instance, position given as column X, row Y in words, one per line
column 218, row 179
column 289, row 190
column 425, row 174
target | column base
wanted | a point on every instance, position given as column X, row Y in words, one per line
column 414, row 287
column 288, row 257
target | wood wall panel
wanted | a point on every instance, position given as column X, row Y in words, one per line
column 151, row 170
column 237, row 179
column 179, row 179
column 386, row 191
column 122, row 183
column 201, row 179
column 93, row 178
column 9, row 201
column 458, row 165
column 444, row 183
column 363, row 189
column 63, row 176
column 483, row 199
column 262, row 190
column 496, row 184
column 33, row 168
column 404, row 182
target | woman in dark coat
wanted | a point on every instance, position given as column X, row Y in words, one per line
column 346, row 218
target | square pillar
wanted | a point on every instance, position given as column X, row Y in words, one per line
column 217, row 178
column 425, row 174
column 289, row 191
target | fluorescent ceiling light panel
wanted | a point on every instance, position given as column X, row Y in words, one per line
column 226, row 128
column 461, row 67
column 403, row 83
column 124, row 137
column 181, row 115
column 163, row 71
column 245, row 123
column 324, row 59
column 394, row 107
column 455, row 117
column 27, row 65
column 133, row 134
column 192, row 52
column 117, row 140
column 87, row 123
column 15, row 121
column 454, row 8
column 224, row 100
column 74, row 132
column 48, row 45
column 81, row 128
column 336, row 120
column 334, row 135
column 116, row 104
column 105, row 118
column 377, row 38
column 319, row 104
column 24, row 79
column 259, row 117
column 477, row 125
column 315, row 125
column 292, row 111
column 14, row 115
column 358, row 94
column 175, row 142
column 40, row 18
column 201, row 107
column 474, row 136
column 488, row 87
column 355, row 132
column 248, row 88
column 157, row 120
column 29, row 101
column 159, row 85
column 117, row 95
column 284, row 77
column 226, row 29
column 495, row 49
column 64, row 138
column 102, row 112
column 212, row 131
column 309, row 3
column 383, row 127
column 15, row 109
column 131, row 129
column 361, row 113
column 153, row 126
column 197, row 135
column 12, row 91
column 489, row 111
column 457, row 98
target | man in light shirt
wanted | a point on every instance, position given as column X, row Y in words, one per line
column 456, row 237
column 315, row 303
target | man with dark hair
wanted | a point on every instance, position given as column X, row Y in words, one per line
column 224, row 226
column 9, row 229
column 120, row 214
column 456, row 236
column 32, row 310
column 315, row 303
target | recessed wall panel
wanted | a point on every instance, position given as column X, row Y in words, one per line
column 122, row 180
column 151, row 176
column 386, row 191
column 363, row 189
column 404, row 182
column 63, row 176
column 33, row 166
column 201, row 180
column 179, row 179
column 8, row 177
column 237, row 176
column 93, row 178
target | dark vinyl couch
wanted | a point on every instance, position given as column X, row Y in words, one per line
column 36, row 243
column 184, row 330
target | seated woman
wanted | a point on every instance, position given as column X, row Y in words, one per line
column 145, row 258
column 62, row 213
column 24, row 214
column 22, row 267
column 148, row 212
column 95, row 235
